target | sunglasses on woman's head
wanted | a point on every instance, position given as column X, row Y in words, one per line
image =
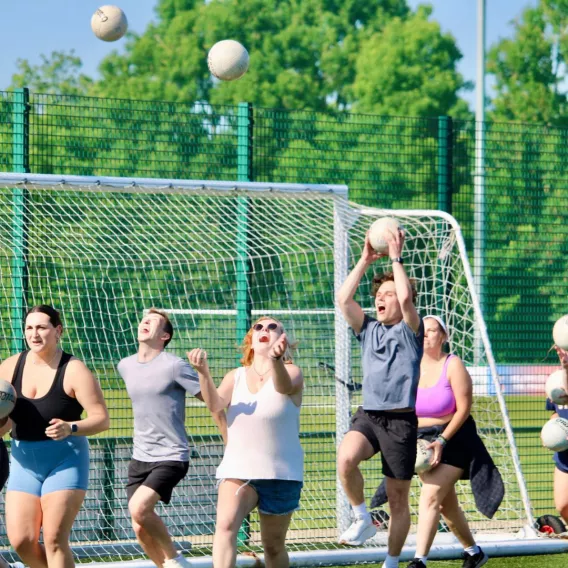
column 269, row 327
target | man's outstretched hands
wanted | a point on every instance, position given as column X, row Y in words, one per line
column 395, row 239
column 369, row 254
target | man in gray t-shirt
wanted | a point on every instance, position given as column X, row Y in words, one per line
column 157, row 383
column 392, row 346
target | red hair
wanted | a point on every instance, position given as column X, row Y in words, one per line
column 248, row 351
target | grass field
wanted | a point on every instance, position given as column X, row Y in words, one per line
column 545, row 561
column 318, row 438
column 527, row 415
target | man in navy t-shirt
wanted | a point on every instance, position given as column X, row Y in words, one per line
column 392, row 347
column 561, row 458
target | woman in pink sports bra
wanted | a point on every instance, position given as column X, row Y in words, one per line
column 443, row 406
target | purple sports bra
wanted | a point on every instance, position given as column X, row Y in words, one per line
column 438, row 400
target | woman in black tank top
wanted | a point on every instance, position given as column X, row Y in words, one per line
column 4, row 472
column 50, row 453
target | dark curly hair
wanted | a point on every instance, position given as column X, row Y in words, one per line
column 378, row 279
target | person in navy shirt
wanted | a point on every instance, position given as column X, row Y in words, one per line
column 392, row 345
column 561, row 458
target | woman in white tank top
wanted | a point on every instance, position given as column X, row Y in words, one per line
column 263, row 462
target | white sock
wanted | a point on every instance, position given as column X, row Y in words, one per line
column 423, row 558
column 471, row 550
column 360, row 510
column 391, row 561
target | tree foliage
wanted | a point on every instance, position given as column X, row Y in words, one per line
column 528, row 178
column 409, row 69
column 324, row 55
column 59, row 73
column 300, row 51
column 376, row 56
column 530, row 67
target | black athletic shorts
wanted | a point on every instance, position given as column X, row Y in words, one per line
column 4, row 464
column 161, row 476
column 458, row 451
column 394, row 435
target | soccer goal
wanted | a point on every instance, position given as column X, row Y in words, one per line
column 215, row 255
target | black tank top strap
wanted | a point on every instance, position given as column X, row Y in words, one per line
column 18, row 372
column 61, row 368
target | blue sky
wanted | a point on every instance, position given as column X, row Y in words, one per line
column 33, row 27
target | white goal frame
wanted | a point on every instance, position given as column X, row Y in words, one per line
column 526, row 542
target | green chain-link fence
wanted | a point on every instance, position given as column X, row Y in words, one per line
column 392, row 162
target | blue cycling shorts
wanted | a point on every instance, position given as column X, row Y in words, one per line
column 46, row 466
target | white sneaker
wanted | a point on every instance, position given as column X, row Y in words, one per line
column 179, row 562
column 360, row 531
column 16, row 565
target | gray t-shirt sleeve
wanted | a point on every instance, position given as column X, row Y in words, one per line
column 186, row 377
column 360, row 337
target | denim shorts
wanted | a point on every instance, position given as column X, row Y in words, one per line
column 46, row 466
column 277, row 496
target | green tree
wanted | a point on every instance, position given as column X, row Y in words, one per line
column 529, row 68
column 527, row 178
column 59, row 73
column 409, row 68
column 374, row 56
column 300, row 51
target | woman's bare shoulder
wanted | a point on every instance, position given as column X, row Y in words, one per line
column 8, row 366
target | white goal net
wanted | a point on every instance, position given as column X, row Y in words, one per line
column 215, row 254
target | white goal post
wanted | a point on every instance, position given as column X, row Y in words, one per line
column 215, row 255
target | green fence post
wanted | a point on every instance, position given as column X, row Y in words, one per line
column 244, row 173
column 108, row 505
column 20, row 154
column 445, row 134
column 244, row 304
column 445, row 128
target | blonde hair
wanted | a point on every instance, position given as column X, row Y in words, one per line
column 248, row 351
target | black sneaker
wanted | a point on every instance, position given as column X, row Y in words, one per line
column 416, row 564
column 474, row 561
column 380, row 519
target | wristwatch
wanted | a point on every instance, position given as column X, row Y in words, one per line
column 398, row 259
column 74, row 428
